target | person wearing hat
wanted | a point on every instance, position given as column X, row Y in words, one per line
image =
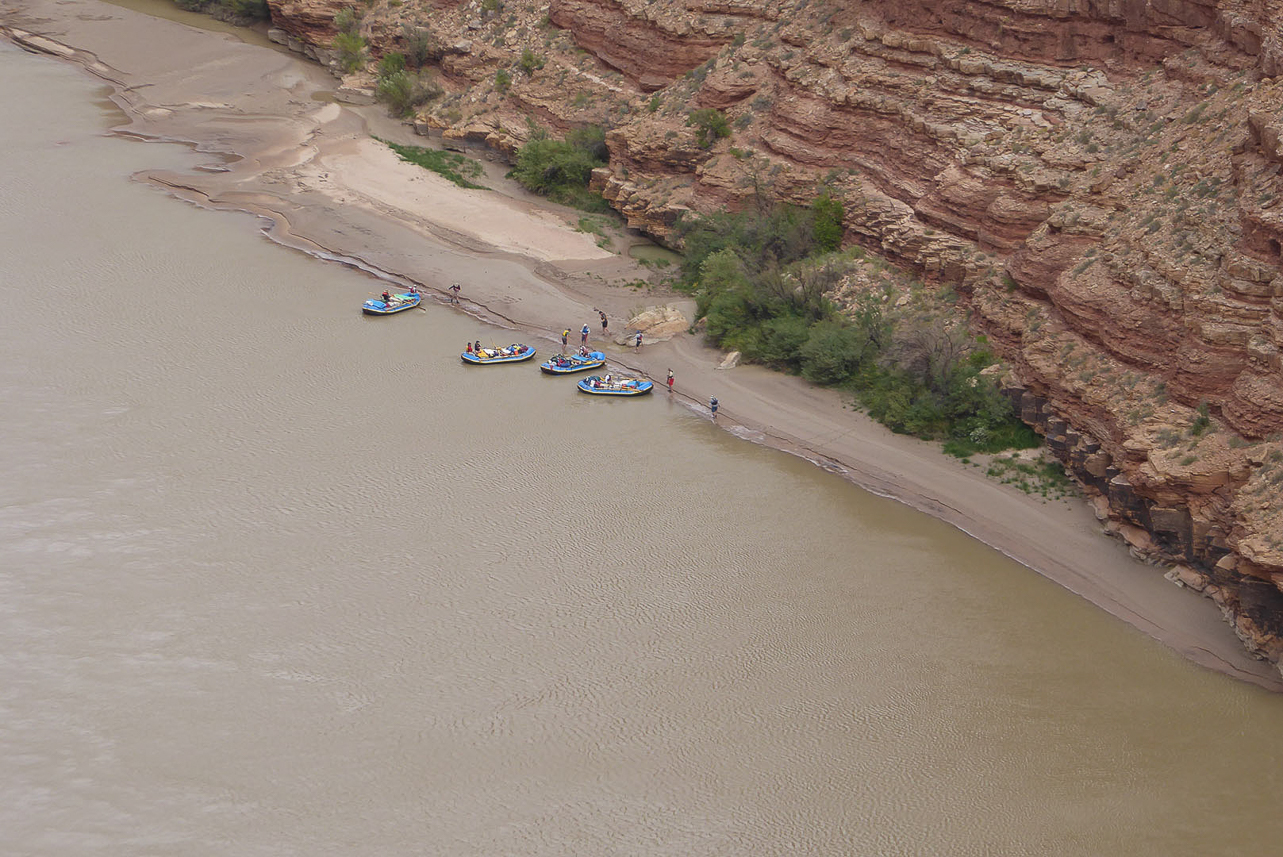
column 565, row 335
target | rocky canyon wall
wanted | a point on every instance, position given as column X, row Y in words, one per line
column 1098, row 181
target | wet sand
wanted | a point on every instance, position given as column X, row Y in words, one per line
column 310, row 168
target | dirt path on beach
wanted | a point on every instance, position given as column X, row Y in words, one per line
column 308, row 165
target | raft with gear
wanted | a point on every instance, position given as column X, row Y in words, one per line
column 514, row 353
column 596, row 385
column 565, row 365
column 395, row 303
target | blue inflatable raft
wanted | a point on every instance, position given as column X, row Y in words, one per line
column 565, row 365
column 399, row 303
column 514, row 353
column 596, row 385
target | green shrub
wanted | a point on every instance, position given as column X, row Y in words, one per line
column 776, row 236
column 351, row 48
column 783, row 339
column 828, row 213
column 1202, row 421
column 420, row 46
column 391, row 64
column 710, row 126
column 591, row 139
column 346, row 20
column 561, row 169
column 730, row 314
column 502, row 80
column 452, row 165
column 760, row 291
column 234, row 11
column 248, row 10
column 404, row 92
column 833, row 353
column 530, row 62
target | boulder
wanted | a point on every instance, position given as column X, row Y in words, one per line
column 731, row 361
column 656, row 324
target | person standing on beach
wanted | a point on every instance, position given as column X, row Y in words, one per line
column 583, row 335
column 454, row 292
column 712, row 406
column 670, row 380
column 604, row 322
column 639, row 340
column 565, row 335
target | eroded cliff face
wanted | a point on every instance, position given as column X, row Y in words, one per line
column 1099, row 181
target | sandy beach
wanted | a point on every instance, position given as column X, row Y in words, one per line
column 273, row 145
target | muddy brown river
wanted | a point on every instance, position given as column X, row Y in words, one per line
column 278, row 579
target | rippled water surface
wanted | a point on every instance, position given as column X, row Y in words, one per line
column 279, row 579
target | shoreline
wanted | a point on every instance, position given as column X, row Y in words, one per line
column 310, row 168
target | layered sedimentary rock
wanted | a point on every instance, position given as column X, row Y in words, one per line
column 1099, row 181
